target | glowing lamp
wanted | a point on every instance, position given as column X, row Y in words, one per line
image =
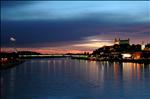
column 12, row 39
column 126, row 55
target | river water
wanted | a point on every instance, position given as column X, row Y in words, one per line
column 64, row 78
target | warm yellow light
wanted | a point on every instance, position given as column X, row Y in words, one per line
column 93, row 44
column 126, row 55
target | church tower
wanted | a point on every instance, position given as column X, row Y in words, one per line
column 142, row 45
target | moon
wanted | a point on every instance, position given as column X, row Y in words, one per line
column 12, row 39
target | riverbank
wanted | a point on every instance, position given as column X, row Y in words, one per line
column 10, row 63
column 114, row 60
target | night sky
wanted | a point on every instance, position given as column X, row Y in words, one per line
column 73, row 26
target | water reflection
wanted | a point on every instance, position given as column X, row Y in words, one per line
column 66, row 77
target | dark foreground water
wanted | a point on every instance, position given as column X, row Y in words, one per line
column 75, row 79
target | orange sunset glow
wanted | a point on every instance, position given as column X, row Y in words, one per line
column 44, row 51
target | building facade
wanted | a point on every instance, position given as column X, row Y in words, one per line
column 121, row 42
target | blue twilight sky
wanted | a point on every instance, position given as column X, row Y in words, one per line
column 74, row 23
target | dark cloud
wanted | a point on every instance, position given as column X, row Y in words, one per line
column 14, row 3
column 42, row 31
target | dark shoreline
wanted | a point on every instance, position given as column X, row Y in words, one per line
column 147, row 61
column 11, row 64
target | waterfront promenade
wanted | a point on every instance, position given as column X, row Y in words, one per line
column 7, row 62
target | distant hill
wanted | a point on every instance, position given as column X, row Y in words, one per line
column 27, row 53
column 13, row 54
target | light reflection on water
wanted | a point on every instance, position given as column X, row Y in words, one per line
column 66, row 78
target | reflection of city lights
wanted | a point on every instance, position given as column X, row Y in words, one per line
column 132, row 70
column 116, row 70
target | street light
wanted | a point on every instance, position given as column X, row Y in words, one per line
column 13, row 40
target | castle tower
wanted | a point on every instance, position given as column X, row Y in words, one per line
column 116, row 41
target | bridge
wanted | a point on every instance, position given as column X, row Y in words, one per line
column 43, row 56
column 50, row 56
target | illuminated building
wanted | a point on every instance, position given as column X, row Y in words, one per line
column 147, row 47
column 137, row 55
column 120, row 42
column 116, row 41
column 142, row 46
column 126, row 56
